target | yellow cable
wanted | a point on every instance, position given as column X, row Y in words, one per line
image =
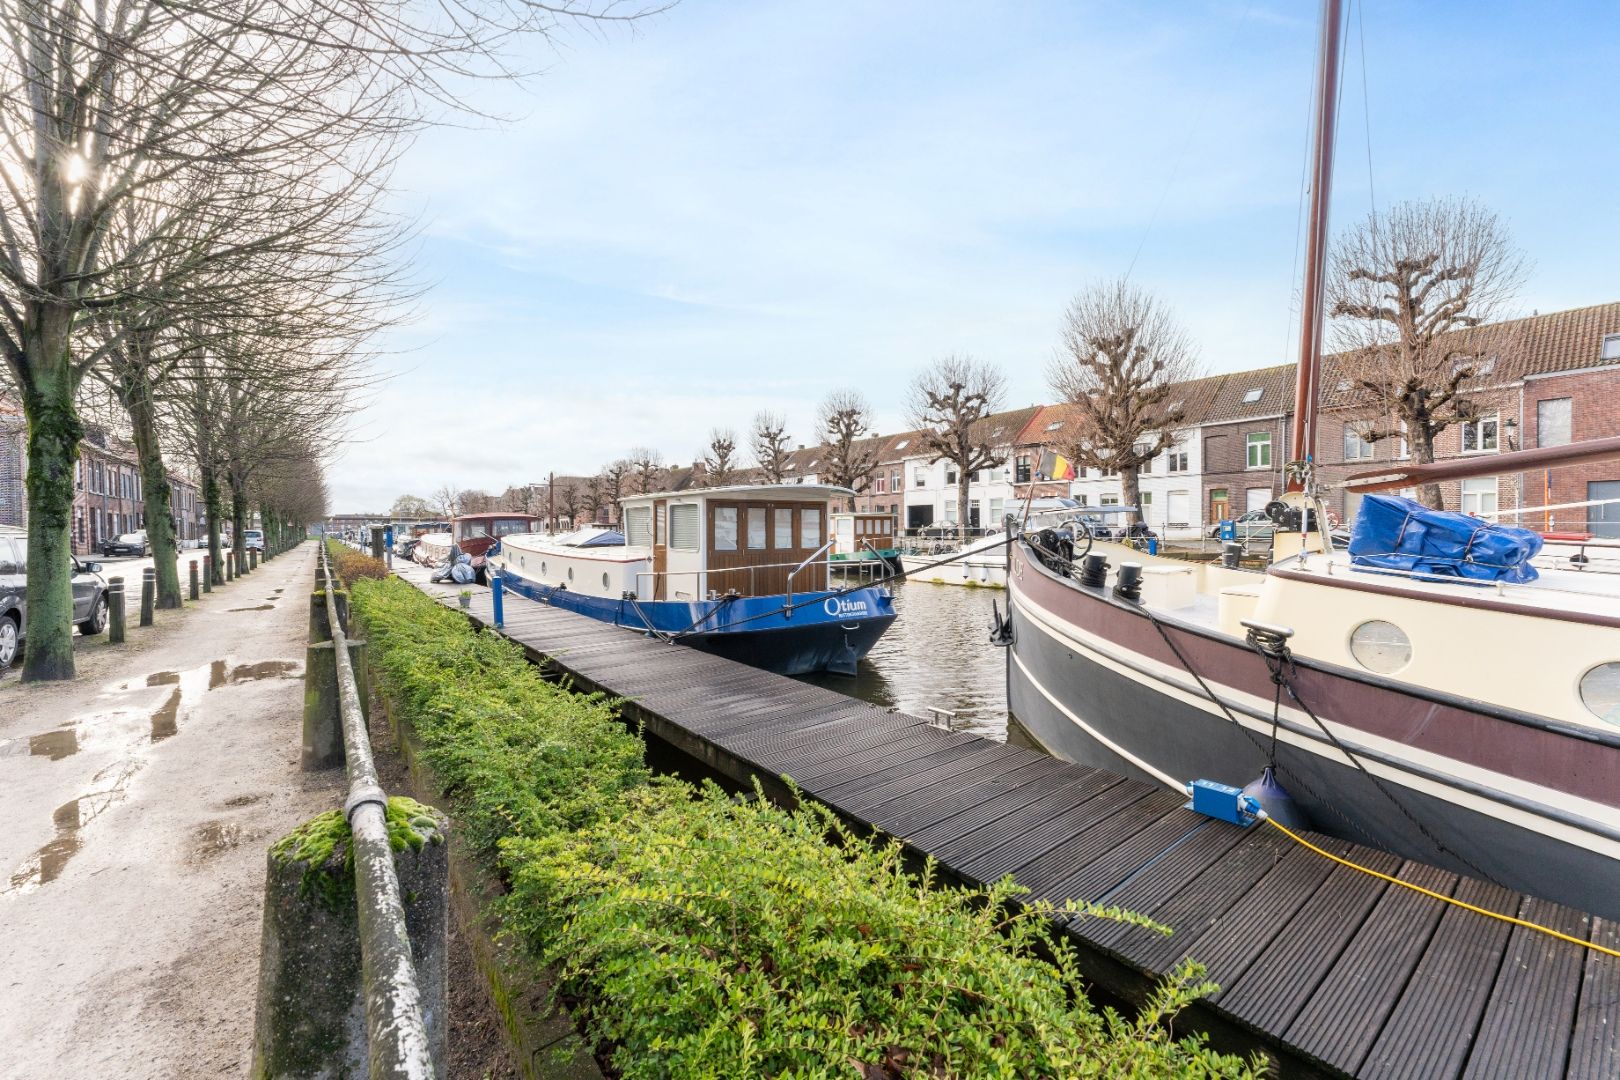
column 1447, row 899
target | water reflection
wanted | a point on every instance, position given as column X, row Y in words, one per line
column 937, row 653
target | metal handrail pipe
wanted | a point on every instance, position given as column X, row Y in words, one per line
column 788, row 606
column 396, row 1034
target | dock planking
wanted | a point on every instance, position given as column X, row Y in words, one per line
column 1330, row 971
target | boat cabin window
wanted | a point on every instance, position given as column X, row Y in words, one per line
column 683, row 526
column 638, row 526
column 810, row 528
column 756, row 528
column 1600, row 692
column 784, row 528
column 1381, row 647
column 725, row 528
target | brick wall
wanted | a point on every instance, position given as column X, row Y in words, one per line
column 1594, row 412
column 1225, row 457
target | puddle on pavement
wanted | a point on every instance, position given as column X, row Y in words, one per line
column 215, row 837
column 261, row 607
column 46, row 865
column 55, row 745
column 163, row 678
column 166, row 721
column 265, row 669
column 216, row 674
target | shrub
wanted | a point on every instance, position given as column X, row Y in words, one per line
column 351, row 565
column 697, row 934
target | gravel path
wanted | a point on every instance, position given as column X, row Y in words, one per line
column 136, row 804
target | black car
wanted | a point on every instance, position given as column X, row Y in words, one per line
column 89, row 596
column 132, row 543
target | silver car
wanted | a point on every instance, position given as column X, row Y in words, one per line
column 89, row 595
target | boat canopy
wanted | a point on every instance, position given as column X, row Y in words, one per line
column 590, row 537
column 1392, row 533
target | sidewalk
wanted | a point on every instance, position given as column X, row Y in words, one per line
column 138, row 801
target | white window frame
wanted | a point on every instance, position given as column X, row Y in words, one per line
column 1474, row 502
column 758, row 528
column 780, row 539
column 1357, row 447
column 685, row 527
column 1478, row 428
column 810, row 528
column 1256, row 440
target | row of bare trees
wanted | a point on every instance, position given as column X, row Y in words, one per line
column 192, row 231
column 1417, row 296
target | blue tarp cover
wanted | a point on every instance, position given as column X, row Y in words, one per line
column 1392, row 533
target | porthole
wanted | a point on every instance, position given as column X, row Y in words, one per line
column 570, row 573
column 1600, row 692
column 1381, row 647
column 604, row 582
column 542, row 566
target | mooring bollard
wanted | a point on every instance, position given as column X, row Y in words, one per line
column 497, row 594
column 115, row 611
column 310, row 1019
column 193, row 582
column 208, row 573
column 148, row 594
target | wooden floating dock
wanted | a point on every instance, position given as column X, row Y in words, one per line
column 1330, row 971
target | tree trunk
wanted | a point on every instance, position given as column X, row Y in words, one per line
column 54, row 432
column 157, row 496
column 1422, row 439
column 239, row 526
column 962, row 503
column 1130, row 493
column 214, row 506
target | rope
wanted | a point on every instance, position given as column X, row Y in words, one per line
column 1465, row 905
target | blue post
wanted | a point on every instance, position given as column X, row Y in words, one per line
column 498, row 595
column 1153, row 545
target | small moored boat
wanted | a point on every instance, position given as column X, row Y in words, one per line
column 737, row 571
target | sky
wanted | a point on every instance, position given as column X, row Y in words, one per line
column 743, row 206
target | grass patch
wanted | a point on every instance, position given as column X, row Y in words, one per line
column 698, row 935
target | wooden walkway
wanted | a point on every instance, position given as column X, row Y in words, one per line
column 1330, row 971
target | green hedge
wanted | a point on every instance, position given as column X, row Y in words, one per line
column 700, row 935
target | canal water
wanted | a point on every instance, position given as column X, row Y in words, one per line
column 938, row 653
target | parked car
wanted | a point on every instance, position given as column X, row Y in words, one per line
column 130, row 543
column 89, row 595
column 252, row 540
column 1116, row 524
column 1255, row 525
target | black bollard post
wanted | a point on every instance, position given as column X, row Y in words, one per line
column 148, row 589
column 193, row 582
column 115, row 611
column 253, row 558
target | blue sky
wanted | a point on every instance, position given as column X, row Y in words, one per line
column 744, row 206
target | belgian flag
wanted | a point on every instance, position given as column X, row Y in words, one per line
column 1055, row 466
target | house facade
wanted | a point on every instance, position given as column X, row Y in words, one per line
column 931, row 486
column 108, row 494
column 13, row 463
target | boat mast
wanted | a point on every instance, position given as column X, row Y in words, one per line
column 1307, row 388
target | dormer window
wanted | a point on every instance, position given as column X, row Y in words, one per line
column 1611, row 347
column 1054, row 425
column 902, row 444
column 996, row 434
column 1252, row 396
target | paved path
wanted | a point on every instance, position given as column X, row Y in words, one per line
column 137, row 802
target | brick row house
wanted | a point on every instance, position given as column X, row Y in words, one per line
column 107, row 494
column 13, row 463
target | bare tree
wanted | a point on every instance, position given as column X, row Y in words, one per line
column 614, row 475
column 769, row 442
column 947, row 402
column 447, row 501
column 1120, row 356
column 411, row 508
column 719, row 461
column 1417, row 296
column 648, row 466
column 594, row 493
column 569, row 498
column 846, row 427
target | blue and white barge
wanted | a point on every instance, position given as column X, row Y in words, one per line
column 738, row 571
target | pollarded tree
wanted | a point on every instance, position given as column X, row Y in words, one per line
column 947, row 402
column 1417, row 295
column 771, row 447
column 568, row 500
column 720, row 459
column 846, row 428
column 1120, row 356
column 648, row 466
column 411, row 508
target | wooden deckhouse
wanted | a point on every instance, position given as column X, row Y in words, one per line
column 753, row 540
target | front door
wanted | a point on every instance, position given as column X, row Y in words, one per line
column 660, row 548
column 1220, row 507
column 1603, row 520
